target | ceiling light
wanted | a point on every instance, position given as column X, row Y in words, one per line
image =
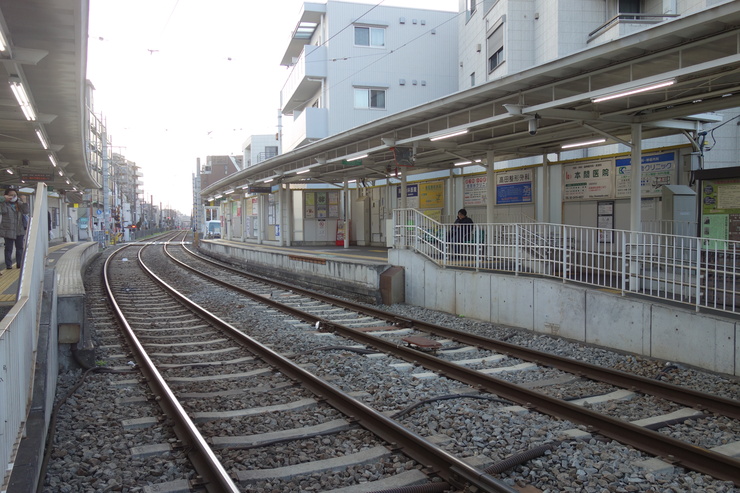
column 302, row 171
column 218, row 197
column 581, row 144
column 23, row 100
column 41, row 137
column 267, row 180
column 355, row 158
column 637, row 90
column 3, row 42
column 227, row 192
column 10, row 171
column 61, row 173
column 53, row 160
column 447, row 136
column 463, row 163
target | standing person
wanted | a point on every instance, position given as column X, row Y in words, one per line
column 464, row 228
column 12, row 227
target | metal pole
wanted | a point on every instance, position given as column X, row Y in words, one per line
column 105, row 185
column 635, row 206
column 490, row 188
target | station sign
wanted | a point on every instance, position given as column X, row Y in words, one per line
column 252, row 189
column 37, row 176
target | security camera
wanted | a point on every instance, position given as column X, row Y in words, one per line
column 533, row 126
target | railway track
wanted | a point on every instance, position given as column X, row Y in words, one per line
column 467, row 423
column 359, row 323
column 206, row 372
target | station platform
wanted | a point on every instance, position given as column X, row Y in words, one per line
column 635, row 324
column 360, row 253
column 359, row 272
column 9, row 277
column 61, row 326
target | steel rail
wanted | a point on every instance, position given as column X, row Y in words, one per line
column 214, row 476
column 678, row 452
column 675, row 393
column 436, row 460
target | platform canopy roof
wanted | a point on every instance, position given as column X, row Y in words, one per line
column 694, row 60
column 45, row 53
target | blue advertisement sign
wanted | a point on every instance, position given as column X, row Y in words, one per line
column 514, row 187
column 514, row 194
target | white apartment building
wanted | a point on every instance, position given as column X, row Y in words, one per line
column 354, row 63
column 258, row 148
column 498, row 38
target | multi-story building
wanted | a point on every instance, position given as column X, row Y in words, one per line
column 124, row 192
column 354, row 63
column 258, row 148
column 217, row 168
column 502, row 37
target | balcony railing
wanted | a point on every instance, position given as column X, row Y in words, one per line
column 304, row 79
column 263, row 156
column 685, row 269
column 631, row 19
column 312, row 124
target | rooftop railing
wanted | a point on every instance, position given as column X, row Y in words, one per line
column 685, row 269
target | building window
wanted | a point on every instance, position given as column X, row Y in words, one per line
column 470, row 7
column 623, row 8
column 472, row 79
column 629, row 7
column 369, row 36
column 369, row 98
column 495, row 48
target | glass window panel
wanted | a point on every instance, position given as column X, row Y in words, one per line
column 362, row 36
column 377, row 37
column 377, row 99
column 360, row 98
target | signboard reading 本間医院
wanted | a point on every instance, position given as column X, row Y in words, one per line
column 611, row 178
column 588, row 181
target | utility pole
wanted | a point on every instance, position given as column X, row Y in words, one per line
column 105, row 184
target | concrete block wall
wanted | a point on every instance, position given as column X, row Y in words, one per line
column 345, row 277
column 548, row 306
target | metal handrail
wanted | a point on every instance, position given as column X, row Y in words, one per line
column 700, row 272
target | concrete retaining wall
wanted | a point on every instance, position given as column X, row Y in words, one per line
column 343, row 277
column 599, row 317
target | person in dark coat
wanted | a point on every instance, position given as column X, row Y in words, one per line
column 12, row 228
column 464, row 227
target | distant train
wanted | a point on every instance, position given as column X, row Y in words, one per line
column 213, row 229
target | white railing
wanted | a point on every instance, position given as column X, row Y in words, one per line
column 686, row 269
column 19, row 338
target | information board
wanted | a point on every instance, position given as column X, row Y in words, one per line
column 588, row 181
column 475, row 191
column 431, row 195
column 514, row 187
column 412, row 196
column 657, row 170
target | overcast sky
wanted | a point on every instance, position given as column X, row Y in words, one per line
column 178, row 80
